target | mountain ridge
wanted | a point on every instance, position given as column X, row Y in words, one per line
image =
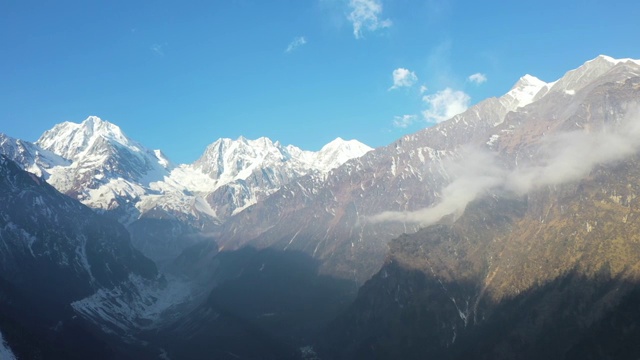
column 394, row 178
column 508, row 231
column 97, row 163
column 99, row 146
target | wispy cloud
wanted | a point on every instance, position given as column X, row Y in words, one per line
column 158, row 49
column 475, row 173
column 563, row 158
column 445, row 104
column 404, row 121
column 439, row 69
column 423, row 89
column 403, row 78
column 296, row 43
column 477, row 78
column 365, row 15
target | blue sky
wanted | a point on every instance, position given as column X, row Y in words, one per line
column 178, row 75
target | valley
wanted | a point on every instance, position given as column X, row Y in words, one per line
column 509, row 231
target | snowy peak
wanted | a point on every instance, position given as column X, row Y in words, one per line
column 96, row 163
column 576, row 79
column 528, row 82
column 529, row 88
column 71, row 140
column 337, row 152
column 609, row 59
column 99, row 144
column 245, row 171
column 523, row 92
column 228, row 159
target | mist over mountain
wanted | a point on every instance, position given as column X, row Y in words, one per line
column 507, row 231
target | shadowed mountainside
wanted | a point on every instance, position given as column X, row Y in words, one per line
column 266, row 305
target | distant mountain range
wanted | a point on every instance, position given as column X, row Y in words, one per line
column 97, row 164
column 507, row 232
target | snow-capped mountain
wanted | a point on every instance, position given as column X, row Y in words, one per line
column 575, row 80
column 31, row 157
column 96, row 163
column 227, row 160
column 107, row 171
column 338, row 152
column 245, row 171
column 523, row 92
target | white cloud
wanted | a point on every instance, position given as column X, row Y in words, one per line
column 563, row 158
column 423, row 89
column 477, row 78
column 365, row 16
column 296, row 43
column 403, row 78
column 158, row 49
column 475, row 172
column 445, row 104
column 404, row 121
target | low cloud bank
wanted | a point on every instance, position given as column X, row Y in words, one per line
column 564, row 158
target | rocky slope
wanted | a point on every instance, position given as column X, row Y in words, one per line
column 533, row 277
column 507, row 232
column 339, row 220
column 61, row 265
column 542, row 260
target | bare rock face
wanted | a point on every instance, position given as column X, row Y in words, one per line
column 331, row 218
column 541, row 264
column 56, row 253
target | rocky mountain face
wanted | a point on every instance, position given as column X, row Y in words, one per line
column 541, row 261
column 534, row 277
column 30, row 156
column 338, row 220
column 506, row 232
column 56, row 255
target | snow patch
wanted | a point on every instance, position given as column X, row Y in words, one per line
column 493, row 139
column 137, row 303
column 5, row 350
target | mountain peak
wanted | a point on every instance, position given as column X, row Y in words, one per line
column 340, row 143
column 606, row 58
column 95, row 125
column 91, row 120
column 337, row 152
column 69, row 139
column 523, row 92
column 529, row 80
column 576, row 79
